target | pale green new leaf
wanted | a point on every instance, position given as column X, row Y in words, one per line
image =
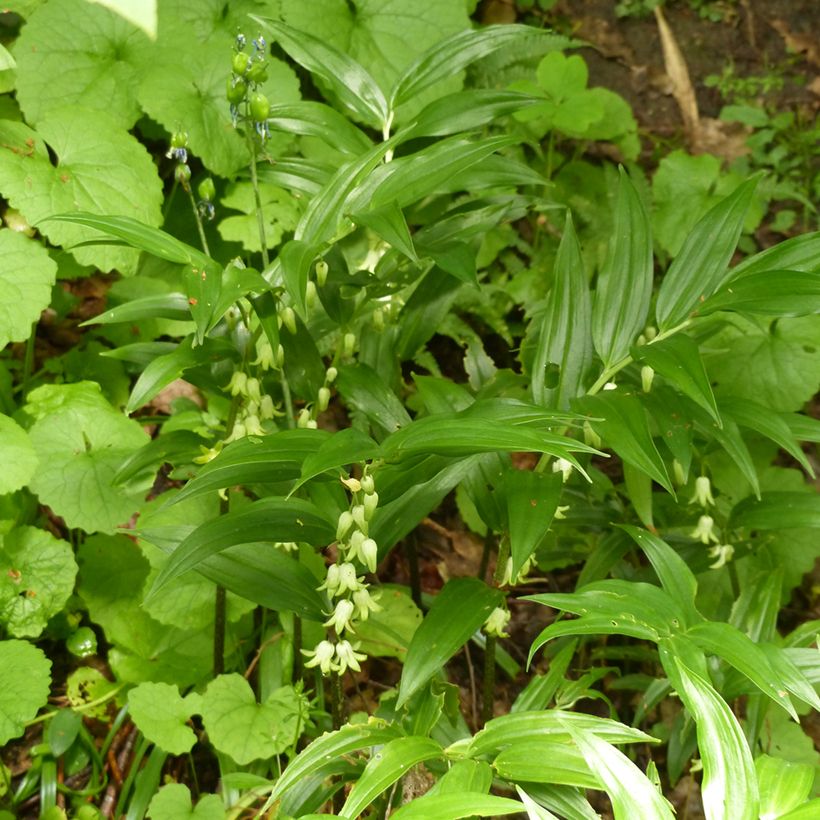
column 81, row 440
column 100, row 169
column 783, row 785
column 24, row 686
column 173, row 802
column 729, row 781
column 633, row 795
column 36, row 579
column 142, row 13
column 16, row 454
column 563, row 338
column 386, row 766
column 625, row 281
column 545, row 760
column 162, row 715
column 769, row 293
column 455, row 806
column 26, row 277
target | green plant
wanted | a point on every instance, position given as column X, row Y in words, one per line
column 229, row 542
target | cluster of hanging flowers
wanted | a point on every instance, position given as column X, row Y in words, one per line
column 705, row 530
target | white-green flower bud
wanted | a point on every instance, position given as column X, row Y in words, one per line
column 370, row 554
column 323, row 399
column 365, row 604
column 650, row 333
column 342, row 616
column 371, row 501
column 330, row 375
column 266, row 408
column 253, row 426
column 348, row 344
column 288, row 317
column 321, row 272
column 561, row 465
column 253, row 390
column 678, row 475
column 703, row 492
column 279, row 358
column 359, row 516
column 238, row 384
column 367, row 483
column 647, row 376
column 310, row 294
column 322, row 656
column 344, row 525
column 496, row 622
column 303, row 418
column 591, row 437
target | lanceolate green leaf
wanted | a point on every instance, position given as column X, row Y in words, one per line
column 351, row 83
column 387, row 766
column 319, row 120
column 455, row 806
column 342, row 448
column 532, row 499
column 458, row 611
column 624, row 426
column 167, row 306
column 700, row 267
column 729, row 782
column 545, row 760
column 678, row 360
column 625, row 281
column 563, row 339
column 389, row 223
column 770, row 293
column 798, row 253
column 271, row 519
column 362, row 387
column 776, row 510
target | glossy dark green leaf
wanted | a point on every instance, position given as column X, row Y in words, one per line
column 625, row 428
column 777, row 510
column 797, row 253
column 304, row 367
column 458, row 611
column 388, row 222
column 768, row 423
column 268, row 459
column 639, row 489
column 455, row 53
column 532, row 499
column 625, row 280
column 456, row 258
column 295, row 259
column 425, row 310
column 348, row 446
column 392, row 761
column 306, row 176
column 700, row 267
column 723, row 640
column 678, row 360
column 160, row 373
column 350, row 82
column 674, row 426
column 271, row 519
column 455, row 806
column 167, row 306
column 543, row 760
column 466, row 111
column 203, row 284
column 138, row 235
column 315, row 119
column 674, row 574
column 770, row 293
column 729, row 782
column 177, row 446
column 563, row 338
column 362, row 387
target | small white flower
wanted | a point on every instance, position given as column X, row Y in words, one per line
column 365, row 603
column 703, row 492
column 496, row 622
column 266, row 408
column 369, row 554
column 253, row 390
column 238, row 383
column 253, row 427
column 705, row 530
column 322, row 656
column 610, row 386
column 723, row 553
column 560, row 512
column 331, row 583
column 348, row 580
column 561, row 465
column 358, row 513
column 264, row 355
column 238, row 432
column 303, row 420
column 348, row 657
column 342, row 616
column 371, row 501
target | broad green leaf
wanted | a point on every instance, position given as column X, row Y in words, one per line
column 808, row 811
column 81, row 440
column 543, row 760
column 280, row 214
column 26, row 277
column 246, row 730
column 523, row 727
column 624, row 426
column 99, row 168
column 797, row 253
column 729, row 782
column 723, row 640
column 450, row 56
column 768, row 423
column 385, row 768
column 350, row 82
column 329, row 746
column 363, row 388
column 389, row 223
column 23, row 687
column 271, row 519
column 304, row 176
column 777, row 510
column 466, row 111
column 466, row 775
column 563, row 338
column 791, row 677
column 676, row 578
column 174, row 447
column 348, row 446
column 775, row 364
column 270, row 459
column 532, row 499
column 161, row 372
column 625, row 280
column 173, row 802
column 319, row 120
column 678, row 360
column 142, row 13
column 783, row 785
column 632, row 794
column 16, row 454
column 770, row 293
column 36, row 579
column 454, row 806
column 79, row 55
column 700, row 267
column 162, row 715
column 457, row 612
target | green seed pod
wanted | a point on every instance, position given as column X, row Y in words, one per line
column 259, row 106
column 241, row 63
column 182, row 173
column 258, row 73
column 82, row 643
column 179, row 139
column 207, row 189
column 236, row 91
